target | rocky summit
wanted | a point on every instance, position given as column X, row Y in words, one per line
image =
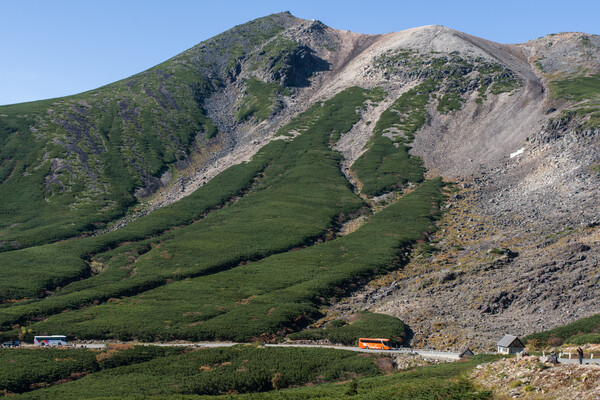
column 285, row 174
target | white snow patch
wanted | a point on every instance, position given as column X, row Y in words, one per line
column 517, row 153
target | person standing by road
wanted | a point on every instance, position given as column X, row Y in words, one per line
column 580, row 355
column 553, row 357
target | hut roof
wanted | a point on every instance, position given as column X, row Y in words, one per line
column 510, row 341
column 466, row 352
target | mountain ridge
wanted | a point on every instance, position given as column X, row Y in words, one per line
column 490, row 116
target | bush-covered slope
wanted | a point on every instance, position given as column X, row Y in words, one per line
column 298, row 198
column 585, row 330
column 70, row 165
column 242, row 372
column 23, row 370
column 368, row 324
column 156, row 371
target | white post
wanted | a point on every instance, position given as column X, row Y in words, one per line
column 543, row 354
column 569, row 356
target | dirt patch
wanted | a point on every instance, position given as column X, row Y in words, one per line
column 385, row 364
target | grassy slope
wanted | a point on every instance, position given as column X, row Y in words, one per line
column 260, row 297
column 22, row 370
column 258, row 100
column 585, row 330
column 254, row 373
column 57, row 264
column 584, row 93
column 384, row 167
column 82, row 165
column 70, row 165
column 212, row 371
column 444, row 381
column 299, row 198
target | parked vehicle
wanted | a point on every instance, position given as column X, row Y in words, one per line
column 378, row 344
column 12, row 343
column 50, row 340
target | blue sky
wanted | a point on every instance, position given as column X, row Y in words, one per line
column 56, row 48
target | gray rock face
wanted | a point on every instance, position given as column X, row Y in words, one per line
column 518, row 251
column 518, row 246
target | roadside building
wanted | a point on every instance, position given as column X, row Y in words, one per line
column 510, row 344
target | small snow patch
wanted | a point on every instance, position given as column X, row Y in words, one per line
column 517, row 153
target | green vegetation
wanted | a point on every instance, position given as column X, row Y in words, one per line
column 333, row 117
column 585, row 330
column 582, row 339
column 71, row 165
column 498, row 252
column 347, row 333
column 482, row 93
column 258, row 100
column 27, row 369
column 449, row 102
column 215, row 371
column 64, row 262
column 578, row 88
column 583, row 90
column 407, row 114
column 425, row 250
column 585, row 40
column 444, row 381
column 195, row 282
column 239, row 372
column 251, row 34
column 272, row 55
column 23, row 370
column 276, row 199
column 387, row 165
column 119, row 355
column 450, row 71
column 498, row 78
column 394, row 60
column 505, row 83
column 515, row 384
column 263, row 298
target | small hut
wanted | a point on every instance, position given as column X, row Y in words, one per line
column 510, row 344
column 466, row 352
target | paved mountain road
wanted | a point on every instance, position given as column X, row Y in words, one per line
column 425, row 353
